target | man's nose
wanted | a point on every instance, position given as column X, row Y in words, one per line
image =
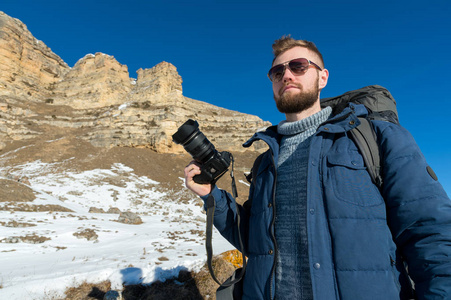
column 288, row 75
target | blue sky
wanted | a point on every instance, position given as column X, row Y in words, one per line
column 222, row 50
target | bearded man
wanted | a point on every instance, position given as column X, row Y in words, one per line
column 318, row 227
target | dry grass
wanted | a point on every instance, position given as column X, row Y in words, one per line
column 88, row 291
column 187, row 286
column 13, row 191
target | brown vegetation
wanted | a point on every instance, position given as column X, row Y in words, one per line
column 187, row 286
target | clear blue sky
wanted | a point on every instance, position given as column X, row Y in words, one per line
column 222, row 50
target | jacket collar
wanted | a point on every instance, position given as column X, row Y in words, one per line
column 341, row 122
column 270, row 136
column 345, row 120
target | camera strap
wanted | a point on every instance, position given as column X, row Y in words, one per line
column 210, row 205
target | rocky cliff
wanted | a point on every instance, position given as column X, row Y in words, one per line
column 41, row 97
column 28, row 67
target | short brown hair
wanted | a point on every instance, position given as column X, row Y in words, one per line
column 287, row 42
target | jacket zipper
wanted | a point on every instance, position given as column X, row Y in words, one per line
column 276, row 250
column 273, row 238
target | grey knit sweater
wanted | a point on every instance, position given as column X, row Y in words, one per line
column 293, row 272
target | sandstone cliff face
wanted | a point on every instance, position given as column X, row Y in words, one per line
column 28, row 67
column 162, row 82
column 95, row 81
column 96, row 100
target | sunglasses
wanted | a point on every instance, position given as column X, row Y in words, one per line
column 297, row 66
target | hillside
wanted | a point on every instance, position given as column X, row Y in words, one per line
column 85, row 151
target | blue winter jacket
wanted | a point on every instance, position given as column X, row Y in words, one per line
column 357, row 241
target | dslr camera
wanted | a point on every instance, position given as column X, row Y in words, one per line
column 213, row 164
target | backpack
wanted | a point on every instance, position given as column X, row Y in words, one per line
column 380, row 105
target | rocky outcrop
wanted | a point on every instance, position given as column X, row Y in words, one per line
column 161, row 82
column 28, row 67
column 96, row 100
column 95, row 81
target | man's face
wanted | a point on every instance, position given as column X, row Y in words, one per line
column 296, row 93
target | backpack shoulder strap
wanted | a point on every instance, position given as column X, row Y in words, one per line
column 365, row 139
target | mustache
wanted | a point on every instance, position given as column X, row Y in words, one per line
column 298, row 85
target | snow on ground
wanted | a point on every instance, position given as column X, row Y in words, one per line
column 42, row 257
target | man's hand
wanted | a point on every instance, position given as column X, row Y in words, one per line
column 192, row 170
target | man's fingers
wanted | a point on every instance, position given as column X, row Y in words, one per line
column 191, row 173
column 192, row 169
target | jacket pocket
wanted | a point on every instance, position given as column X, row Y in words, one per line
column 351, row 183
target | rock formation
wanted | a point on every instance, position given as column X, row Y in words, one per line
column 28, row 67
column 95, row 81
column 96, row 100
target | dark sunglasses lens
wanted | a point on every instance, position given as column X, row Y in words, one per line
column 298, row 66
column 276, row 73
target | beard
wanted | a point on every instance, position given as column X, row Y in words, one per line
column 297, row 102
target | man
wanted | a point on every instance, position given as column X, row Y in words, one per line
column 318, row 228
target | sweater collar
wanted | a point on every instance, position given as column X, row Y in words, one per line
column 313, row 121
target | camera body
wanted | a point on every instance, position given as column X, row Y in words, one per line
column 214, row 168
column 213, row 164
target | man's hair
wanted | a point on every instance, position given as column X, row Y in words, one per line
column 287, row 42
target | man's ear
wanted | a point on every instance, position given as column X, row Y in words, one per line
column 323, row 77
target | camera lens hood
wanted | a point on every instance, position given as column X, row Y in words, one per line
column 185, row 131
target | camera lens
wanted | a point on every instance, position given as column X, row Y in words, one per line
column 194, row 141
